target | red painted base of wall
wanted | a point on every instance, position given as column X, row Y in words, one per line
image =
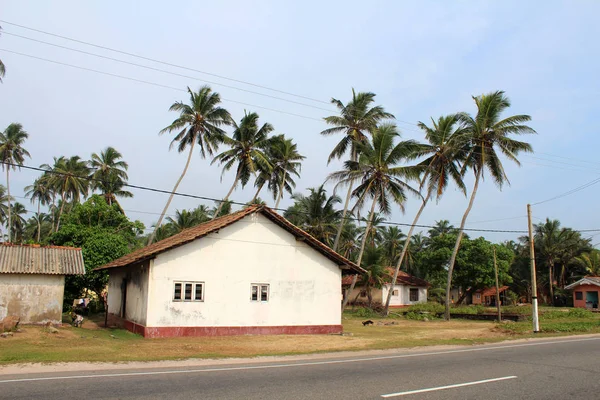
column 180, row 331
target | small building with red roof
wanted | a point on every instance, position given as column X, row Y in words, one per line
column 408, row 290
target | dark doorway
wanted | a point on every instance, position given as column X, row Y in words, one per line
column 123, row 298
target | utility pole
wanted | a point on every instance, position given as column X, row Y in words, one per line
column 497, row 288
column 534, row 302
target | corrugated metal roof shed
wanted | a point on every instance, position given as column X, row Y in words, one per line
column 32, row 259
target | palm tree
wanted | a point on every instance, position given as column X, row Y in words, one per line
column 184, row 219
column 489, row 135
column 392, row 239
column 380, row 178
column 70, row 178
column 247, row 152
column 110, row 175
column 41, row 192
column 12, row 155
column 18, row 222
column 3, row 205
column 349, row 242
column 202, row 214
column 444, row 152
column 356, row 119
column 374, row 236
column 221, row 208
column 198, row 123
column 287, row 163
column 315, row 213
column 375, row 271
column 441, row 227
column 589, row 262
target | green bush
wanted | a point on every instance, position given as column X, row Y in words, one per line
column 580, row 313
column 472, row 309
column 365, row 312
column 432, row 308
column 417, row 316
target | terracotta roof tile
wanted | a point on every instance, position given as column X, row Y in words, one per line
column 206, row 228
column 491, row 291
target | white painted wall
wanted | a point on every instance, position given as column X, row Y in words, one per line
column 35, row 298
column 136, row 304
column 402, row 299
column 305, row 286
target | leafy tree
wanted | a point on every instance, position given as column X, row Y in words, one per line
column 12, row 155
column 589, row 262
column 103, row 233
column 488, row 135
column 247, row 152
column 198, row 123
column 355, row 120
column 110, row 175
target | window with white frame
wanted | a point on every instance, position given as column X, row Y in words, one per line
column 259, row 292
column 188, row 291
column 395, row 292
column 414, row 294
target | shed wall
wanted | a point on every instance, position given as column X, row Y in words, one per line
column 35, row 298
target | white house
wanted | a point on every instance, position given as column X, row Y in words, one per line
column 32, row 281
column 250, row 272
column 408, row 290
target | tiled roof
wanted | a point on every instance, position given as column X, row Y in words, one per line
column 34, row 259
column 206, row 228
column 586, row 280
column 403, row 279
column 491, row 291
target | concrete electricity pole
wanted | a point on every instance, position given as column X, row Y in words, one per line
column 534, row 302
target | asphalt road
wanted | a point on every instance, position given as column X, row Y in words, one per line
column 566, row 368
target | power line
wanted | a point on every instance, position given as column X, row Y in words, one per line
column 151, row 83
column 162, row 191
column 163, row 62
column 575, row 190
column 167, row 72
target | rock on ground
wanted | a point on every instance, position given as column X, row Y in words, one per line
column 9, row 323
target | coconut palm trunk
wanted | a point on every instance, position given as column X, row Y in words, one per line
column 280, row 190
column 360, row 254
column 457, row 244
column 162, row 215
column 235, row 182
column 338, row 234
column 39, row 224
column 62, row 207
column 403, row 254
column 257, row 192
column 9, row 230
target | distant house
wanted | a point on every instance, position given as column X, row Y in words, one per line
column 487, row 296
column 408, row 290
column 250, row 272
column 32, row 281
column 585, row 292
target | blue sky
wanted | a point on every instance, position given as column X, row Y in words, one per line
column 423, row 59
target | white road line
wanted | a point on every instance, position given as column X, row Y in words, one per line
column 304, row 364
column 447, row 387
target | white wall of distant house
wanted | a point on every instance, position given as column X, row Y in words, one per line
column 304, row 285
column 402, row 298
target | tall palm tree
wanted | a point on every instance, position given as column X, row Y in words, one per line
column 12, row 155
column 18, row 222
column 109, row 175
column 589, row 262
column 286, row 163
column 392, row 239
column 444, row 152
column 489, row 136
column 3, row 205
column 374, row 236
column 41, row 192
column 184, row 219
column 247, row 152
column 70, row 178
column 356, row 119
column 375, row 268
column 315, row 213
column 199, row 123
column 441, row 227
column 380, row 177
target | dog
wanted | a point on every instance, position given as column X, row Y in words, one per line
column 369, row 322
column 77, row 320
